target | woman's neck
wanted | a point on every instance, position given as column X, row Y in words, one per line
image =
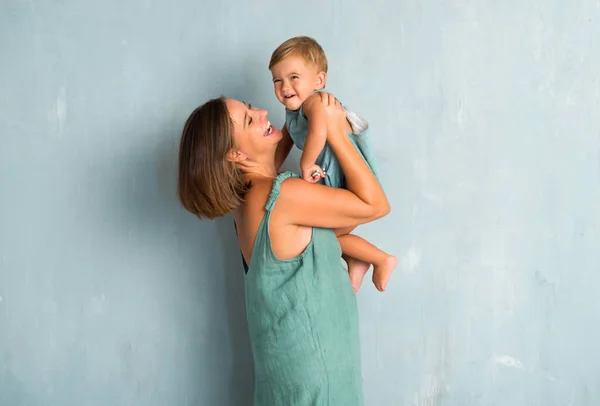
column 262, row 166
column 259, row 171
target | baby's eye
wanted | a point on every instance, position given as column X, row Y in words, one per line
column 276, row 80
column 294, row 77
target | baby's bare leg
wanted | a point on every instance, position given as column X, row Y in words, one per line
column 356, row 268
column 359, row 254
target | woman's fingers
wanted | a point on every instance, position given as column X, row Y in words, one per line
column 328, row 99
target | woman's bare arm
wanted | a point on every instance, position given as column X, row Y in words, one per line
column 316, row 205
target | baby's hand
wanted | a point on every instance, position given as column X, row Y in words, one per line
column 313, row 173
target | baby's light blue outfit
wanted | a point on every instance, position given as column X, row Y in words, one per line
column 297, row 125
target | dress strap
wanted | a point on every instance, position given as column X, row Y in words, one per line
column 277, row 188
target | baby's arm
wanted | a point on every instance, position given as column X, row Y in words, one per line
column 316, row 138
column 283, row 148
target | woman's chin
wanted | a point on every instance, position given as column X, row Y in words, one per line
column 275, row 135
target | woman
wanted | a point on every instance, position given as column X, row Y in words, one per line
column 300, row 305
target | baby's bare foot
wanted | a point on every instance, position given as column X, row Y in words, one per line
column 356, row 270
column 382, row 272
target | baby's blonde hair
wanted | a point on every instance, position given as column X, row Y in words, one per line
column 305, row 47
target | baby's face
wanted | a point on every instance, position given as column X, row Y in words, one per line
column 294, row 81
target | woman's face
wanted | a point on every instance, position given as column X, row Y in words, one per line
column 253, row 133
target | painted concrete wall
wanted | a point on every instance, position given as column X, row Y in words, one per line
column 486, row 119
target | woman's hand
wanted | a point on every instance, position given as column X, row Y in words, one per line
column 336, row 114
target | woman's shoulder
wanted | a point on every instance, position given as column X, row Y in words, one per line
column 269, row 185
column 281, row 176
column 264, row 192
column 276, row 186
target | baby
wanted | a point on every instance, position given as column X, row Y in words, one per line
column 299, row 69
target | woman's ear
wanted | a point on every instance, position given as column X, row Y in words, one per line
column 235, row 156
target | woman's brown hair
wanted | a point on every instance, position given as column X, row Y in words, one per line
column 209, row 185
